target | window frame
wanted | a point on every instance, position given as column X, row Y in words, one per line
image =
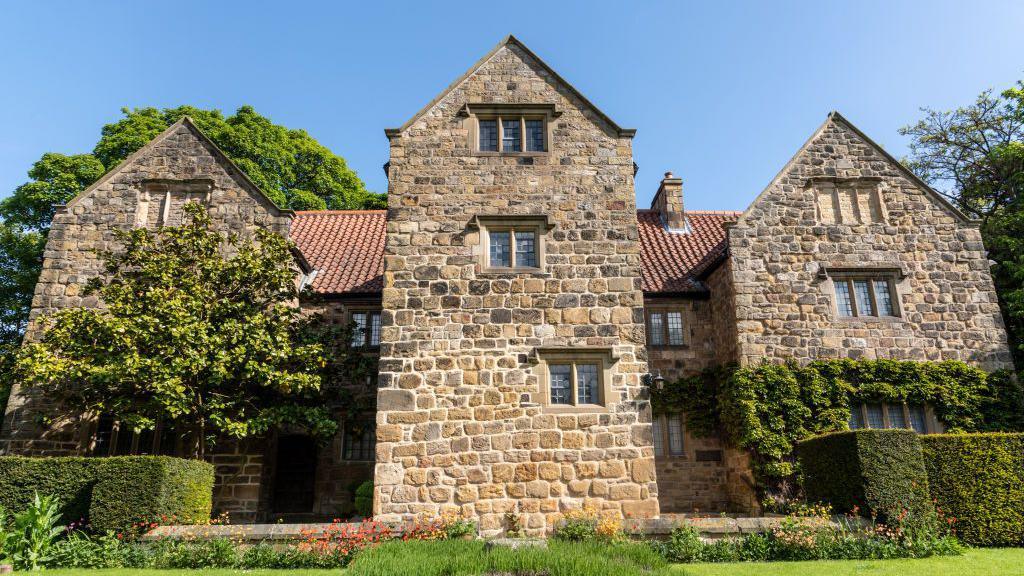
column 660, row 426
column 538, row 225
column 545, row 113
column 850, row 278
column 119, row 429
column 368, row 331
column 931, row 422
column 369, row 432
column 666, row 332
column 602, row 358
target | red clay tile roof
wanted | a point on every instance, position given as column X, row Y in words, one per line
column 346, row 247
column 671, row 260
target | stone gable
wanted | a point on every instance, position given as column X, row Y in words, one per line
column 462, row 422
column 842, row 203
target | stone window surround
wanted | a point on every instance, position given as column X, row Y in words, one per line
column 605, row 361
column 90, row 429
column 871, row 184
column 162, row 189
column 899, row 283
column 347, row 440
column 931, row 422
column 665, row 309
column 540, row 225
column 490, row 111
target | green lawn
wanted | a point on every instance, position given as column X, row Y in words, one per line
column 980, row 562
column 987, row 562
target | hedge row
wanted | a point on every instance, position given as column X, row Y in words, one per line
column 880, row 472
column 112, row 493
column 975, row 479
column 979, row 480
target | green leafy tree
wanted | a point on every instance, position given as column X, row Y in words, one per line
column 975, row 156
column 199, row 329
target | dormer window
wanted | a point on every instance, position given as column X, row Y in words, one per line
column 510, row 129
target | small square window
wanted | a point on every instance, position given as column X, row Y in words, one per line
column 574, row 380
column 501, row 249
column 512, row 248
column 365, row 329
column 511, row 133
column 864, row 296
column 665, row 328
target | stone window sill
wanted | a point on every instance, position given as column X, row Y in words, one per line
column 862, row 320
column 511, row 154
column 574, row 409
column 513, row 273
column 668, row 347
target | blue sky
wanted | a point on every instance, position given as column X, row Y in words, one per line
column 721, row 93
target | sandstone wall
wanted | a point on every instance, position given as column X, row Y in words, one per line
column 785, row 300
column 460, row 422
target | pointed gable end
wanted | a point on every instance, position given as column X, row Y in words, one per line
column 840, row 151
column 545, row 72
column 184, row 152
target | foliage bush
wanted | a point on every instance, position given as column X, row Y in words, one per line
column 798, row 538
column 30, row 539
column 364, row 499
column 71, row 480
column 978, row 480
column 768, row 408
column 136, row 488
column 588, row 523
column 880, row 473
column 113, row 492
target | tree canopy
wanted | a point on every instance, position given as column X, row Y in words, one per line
column 199, row 330
column 975, row 156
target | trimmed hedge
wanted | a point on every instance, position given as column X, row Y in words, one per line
column 69, row 479
column 113, row 492
column 978, row 479
column 133, row 489
column 881, row 472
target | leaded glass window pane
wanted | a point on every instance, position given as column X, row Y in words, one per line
column 917, row 419
column 896, row 417
column 561, row 383
column 511, row 136
column 675, row 328
column 659, row 441
column 675, row 434
column 535, row 135
column 359, row 330
column 375, row 329
column 856, row 417
column 104, row 432
column 863, row 297
column 586, row 384
column 501, row 255
column 875, row 418
column 526, row 249
column 360, row 442
column 489, row 135
column 883, row 297
column 843, row 301
column 657, row 330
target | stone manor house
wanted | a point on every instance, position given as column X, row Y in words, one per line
column 520, row 303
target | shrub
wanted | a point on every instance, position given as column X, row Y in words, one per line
column 137, row 488
column 588, row 524
column 364, row 499
column 880, row 473
column 112, row 492
column 978, row 480
column 71, row 480
column 79, row 550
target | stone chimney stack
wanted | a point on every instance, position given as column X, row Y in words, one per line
column 669, row 202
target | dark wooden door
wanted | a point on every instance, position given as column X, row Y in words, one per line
column 295, row 474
